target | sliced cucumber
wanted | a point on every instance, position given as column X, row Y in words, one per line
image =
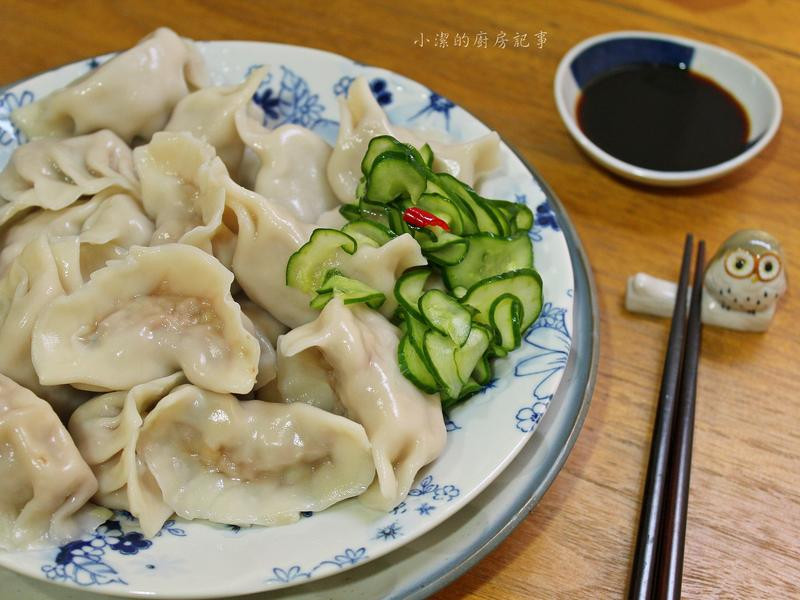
column 414, row 367
column 488, row 255
column 444, row 208
column 377, row 146
column 351, row 212
column 451, row 365
column 446, row 315
column 449, row 254
column 485, row 218
column 416, row 329
column 440, row 353
column 351, row 291
column 470, row 388
column 396, row 222
column 525, row 284
column 395, row 175
column 427, row 155
column 505, row 315
column 483, row 371
column 469, row 222
column 441, row 246
column 361, row 188
column 307, row 268
column 378, row 233
column 472, row 352
column 409, row 288
column 518, row 215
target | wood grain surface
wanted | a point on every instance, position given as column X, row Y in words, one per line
column 743, row 537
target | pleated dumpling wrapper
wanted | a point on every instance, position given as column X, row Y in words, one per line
column 44, row 482
column 152, row 313
column 55, row 173
column 251, row 462
column 132, row 94
column 357, row 350
column 106, row 431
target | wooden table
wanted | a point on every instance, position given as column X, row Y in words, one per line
column 743, row 536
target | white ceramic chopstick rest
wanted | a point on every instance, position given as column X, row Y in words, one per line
column 743, row 282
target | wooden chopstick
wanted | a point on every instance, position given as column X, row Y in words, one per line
column 673, row 532
column 643, row 573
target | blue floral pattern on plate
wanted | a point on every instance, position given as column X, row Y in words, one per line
column 547, row 346
column 84, row 562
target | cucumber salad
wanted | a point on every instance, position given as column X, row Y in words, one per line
column 475, row 298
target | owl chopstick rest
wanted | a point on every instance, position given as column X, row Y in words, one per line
column 742, row 284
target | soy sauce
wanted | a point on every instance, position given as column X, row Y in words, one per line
column 663, row 117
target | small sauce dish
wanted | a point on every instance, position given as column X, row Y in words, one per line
column 609, row 54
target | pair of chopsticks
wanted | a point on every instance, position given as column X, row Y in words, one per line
column 658, row 562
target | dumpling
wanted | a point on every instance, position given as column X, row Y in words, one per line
column 268, row 235
column 293, row 167
column 132, row 94
column 106, row 430
column 116, row 225
column 83, row 237
column 53, row 174
column 266, row 329
column 266, row 358
column 304, row 377
column 54, row 223
column 251, row 462
column 209, row 114
column 268, row 325
column 405, row 426
column 363, row 119
column 181, row 194
column 30, row 284
column 154, row 312
column 44, row 483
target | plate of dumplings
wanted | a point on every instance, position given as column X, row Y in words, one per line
column 175, row 419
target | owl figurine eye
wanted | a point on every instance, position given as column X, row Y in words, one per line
column 769, row 267
column 739, row 263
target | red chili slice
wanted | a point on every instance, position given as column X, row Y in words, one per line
column 422, row 218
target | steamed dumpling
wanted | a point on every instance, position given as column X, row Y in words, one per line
column 83, row 236
column 361, row 119
column 30, row 284
column 358, row 348
column 293, row 162
column 209, row 115
column 266, row 359
column 267, row 230
column 44, row 482
column 32, row 280
column 53, row 174
column 251, row 462
column 154, row 312
column 53, row 223
column 132, row 94
column 178, row 192
column 117, row 224
column 106, row 430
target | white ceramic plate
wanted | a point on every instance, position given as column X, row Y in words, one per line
column 197, row 559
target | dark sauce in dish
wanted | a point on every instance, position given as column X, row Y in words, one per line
column 663, row 117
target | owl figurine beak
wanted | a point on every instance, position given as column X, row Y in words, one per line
column 731, row 300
